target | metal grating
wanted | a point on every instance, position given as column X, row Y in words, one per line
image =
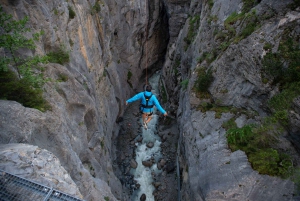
column 14, row 188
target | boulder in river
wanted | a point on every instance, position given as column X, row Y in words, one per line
column 147, row 163
column 143, row 197
column 150, row 145
column 133, row 164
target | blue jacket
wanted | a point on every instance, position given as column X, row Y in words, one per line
column 153, row 101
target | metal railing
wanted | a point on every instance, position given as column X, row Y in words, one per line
column 14, row 188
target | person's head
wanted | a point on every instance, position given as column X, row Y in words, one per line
column 148, row 88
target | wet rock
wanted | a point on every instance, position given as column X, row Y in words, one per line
column 170, row 167
column 143, row 197
column 147, row 163
column 133, row 164
column 164, row 137
column 158, row 166
column 161, row 164
column 150, row 144
column 156, row 184
column 135, row 114
column 139, row 139
column 155, row 193
column 120, row 119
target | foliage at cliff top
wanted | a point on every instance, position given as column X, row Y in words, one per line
column 21, row 77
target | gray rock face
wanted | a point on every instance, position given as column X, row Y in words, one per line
column 178, row 13
column 105, row 47
column 37, row 165
column 210, row 161
column 210, row 170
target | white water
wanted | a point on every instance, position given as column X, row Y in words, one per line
column 142, row 174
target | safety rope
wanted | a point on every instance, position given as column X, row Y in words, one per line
column 146, row 43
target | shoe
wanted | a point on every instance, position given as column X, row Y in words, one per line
column 145, row 125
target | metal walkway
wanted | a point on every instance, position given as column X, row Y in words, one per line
column 14, row 188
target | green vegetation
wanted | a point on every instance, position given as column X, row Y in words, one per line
column 164, row 94
column 22, row 91
column 62, row 78
column 284, row 64
column 295, row 4
column 267, row 46
column 248, row 5
column 129, row 75
column 72, row 13
column 185, row 83
column 21, row 77
column 204, row 80
column 296, row 179
column 208, row 56
column 192, row 31
column 230, row 124
column 176, row 66
column 56, row 12
column 249, row 22
column 231, row 20
column 210, row 3
column 96, row 8
column 208, row 106
column 102, row 144
column 257, row 145
column 282, row 102
column 71, row 42
column 205, row 106
column 106, row 198
column 212, row 18
column 60, row 56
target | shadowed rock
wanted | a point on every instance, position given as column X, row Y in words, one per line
column 143, row 197
column 133, row 163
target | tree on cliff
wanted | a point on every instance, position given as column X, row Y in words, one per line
column 21, row 76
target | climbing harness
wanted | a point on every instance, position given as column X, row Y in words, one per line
column 142, row 106
column 147, row 98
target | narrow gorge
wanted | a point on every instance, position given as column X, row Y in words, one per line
column 227, row 72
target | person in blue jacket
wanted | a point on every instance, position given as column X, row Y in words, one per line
column 148, row 100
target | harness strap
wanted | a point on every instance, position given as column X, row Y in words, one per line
column 147, row 98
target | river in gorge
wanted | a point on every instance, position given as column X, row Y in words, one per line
column 156, row 147
column 144, row 175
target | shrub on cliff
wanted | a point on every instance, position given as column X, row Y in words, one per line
column 21, row 76
column 204, row 80
column 257, row 142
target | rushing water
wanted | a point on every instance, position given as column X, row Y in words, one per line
column 142, row 174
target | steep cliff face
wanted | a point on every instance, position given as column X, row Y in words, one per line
column 113, row 45
column 215, row 39
column 106, row 42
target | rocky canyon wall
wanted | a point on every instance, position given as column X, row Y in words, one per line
column 210, row 170
column 106, row 42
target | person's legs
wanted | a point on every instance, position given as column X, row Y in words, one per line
column 149, row 119
column 144, row 117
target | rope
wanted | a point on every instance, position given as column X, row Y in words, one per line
column 146, row 43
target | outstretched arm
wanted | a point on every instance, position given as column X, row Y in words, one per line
column 134, row 98
column 156, row 103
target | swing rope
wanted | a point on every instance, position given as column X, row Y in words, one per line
column 146, row 44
